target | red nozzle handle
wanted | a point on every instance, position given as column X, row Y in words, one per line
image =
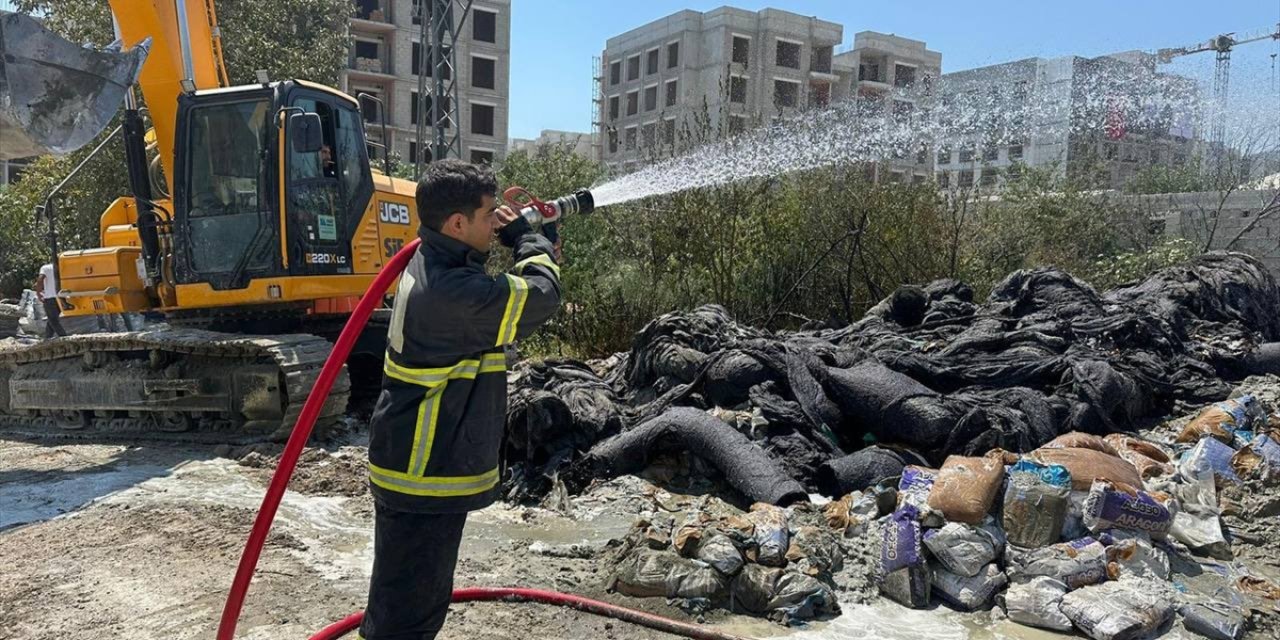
column 520, row 198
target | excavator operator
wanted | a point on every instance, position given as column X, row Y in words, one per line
column 438, row 423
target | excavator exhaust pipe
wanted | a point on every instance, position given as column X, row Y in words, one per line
column 55, row 96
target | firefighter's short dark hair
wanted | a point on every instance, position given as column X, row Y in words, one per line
column 452, row 186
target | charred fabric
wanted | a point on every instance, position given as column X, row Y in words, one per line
column 927, row 373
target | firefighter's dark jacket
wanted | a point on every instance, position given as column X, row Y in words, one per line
column 437, row 427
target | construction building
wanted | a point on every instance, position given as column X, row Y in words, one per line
column 747, row 66
column 1101, row 119
column 894, row 78
column 388, row 54
column 583, row 144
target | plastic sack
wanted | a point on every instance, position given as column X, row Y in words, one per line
column 768, row 533
column 720, row 552
column 1148, row 458
column 645, row 572
column 1212, row 455
column 1213, row 620
column 1036, row 501
column 801, row 597
column 1077, row 440
column 1197, row 522
column 972, row 592
column 1036, row 603
column 753, row 588
column 696, row 580
column 965, row 550
column 1073, row 527
column 966, row 487
column 1222, row 419
column 1112, row 506
column 1076, row 564
column 851, row 513
column 1258, row 459
column 1087, row 465
column 1136, row 557
column 815, row 552
column 1121, row 610
column 914, row 487
column 900, row 542
column 909, row 586
column 781, row 595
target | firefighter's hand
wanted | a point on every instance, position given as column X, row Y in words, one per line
column 511, row 226
column 505, row 216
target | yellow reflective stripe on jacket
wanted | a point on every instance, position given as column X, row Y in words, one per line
column 490, row 363
column 436, row 381
column 424, row 433
column 519, row 293
column 439, row 486
column 541, row 259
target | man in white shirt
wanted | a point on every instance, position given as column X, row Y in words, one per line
column 47, row 291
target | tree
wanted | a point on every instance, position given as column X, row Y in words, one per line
column 288, row 38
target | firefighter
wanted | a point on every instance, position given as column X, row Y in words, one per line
column 438, row 423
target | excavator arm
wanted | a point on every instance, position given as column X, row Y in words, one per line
column 186, row 56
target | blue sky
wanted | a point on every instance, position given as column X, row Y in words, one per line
column 553, row 41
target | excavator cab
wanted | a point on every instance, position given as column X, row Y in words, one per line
column 271, row 200
column 271, row 182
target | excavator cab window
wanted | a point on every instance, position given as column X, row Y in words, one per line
column 228, row 210
column 327, row 190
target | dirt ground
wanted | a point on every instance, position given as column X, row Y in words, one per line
column 142, row 542
column 102, row 540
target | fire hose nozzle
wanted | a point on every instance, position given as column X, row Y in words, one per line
column 537, row 212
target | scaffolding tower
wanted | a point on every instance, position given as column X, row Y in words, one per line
column 598, row 121
column 439, row 36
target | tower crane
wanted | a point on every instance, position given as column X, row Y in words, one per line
column 1222, row 45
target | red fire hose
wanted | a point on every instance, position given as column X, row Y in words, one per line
column 289, row 460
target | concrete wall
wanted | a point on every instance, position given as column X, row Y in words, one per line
column 1208, row 217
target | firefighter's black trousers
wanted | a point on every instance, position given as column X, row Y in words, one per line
column 413, row 562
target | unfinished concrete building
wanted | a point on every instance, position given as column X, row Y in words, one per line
column 745, row 66
column 387, row 56
column 1102, row 120
column 582, row 144
column 895, row 78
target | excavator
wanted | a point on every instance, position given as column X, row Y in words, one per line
column 249, row 238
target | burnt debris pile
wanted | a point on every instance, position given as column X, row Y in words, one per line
column 928, row 373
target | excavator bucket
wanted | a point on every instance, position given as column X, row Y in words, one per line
column 56, row 96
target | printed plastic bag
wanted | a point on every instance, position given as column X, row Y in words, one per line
column 1120, row 610
column 1210, row 454
column 900, row 543
column 1076, row 564
column 969, row 593
column 909, row 586
column 1036, row 501
column 1037, row 603
column 963, row 549
column 1222, row 419
column 1213, row 620
column 1113, row 506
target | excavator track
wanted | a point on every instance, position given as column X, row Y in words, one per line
column 186, row 385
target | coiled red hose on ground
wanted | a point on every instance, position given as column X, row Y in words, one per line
column 289, row 460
